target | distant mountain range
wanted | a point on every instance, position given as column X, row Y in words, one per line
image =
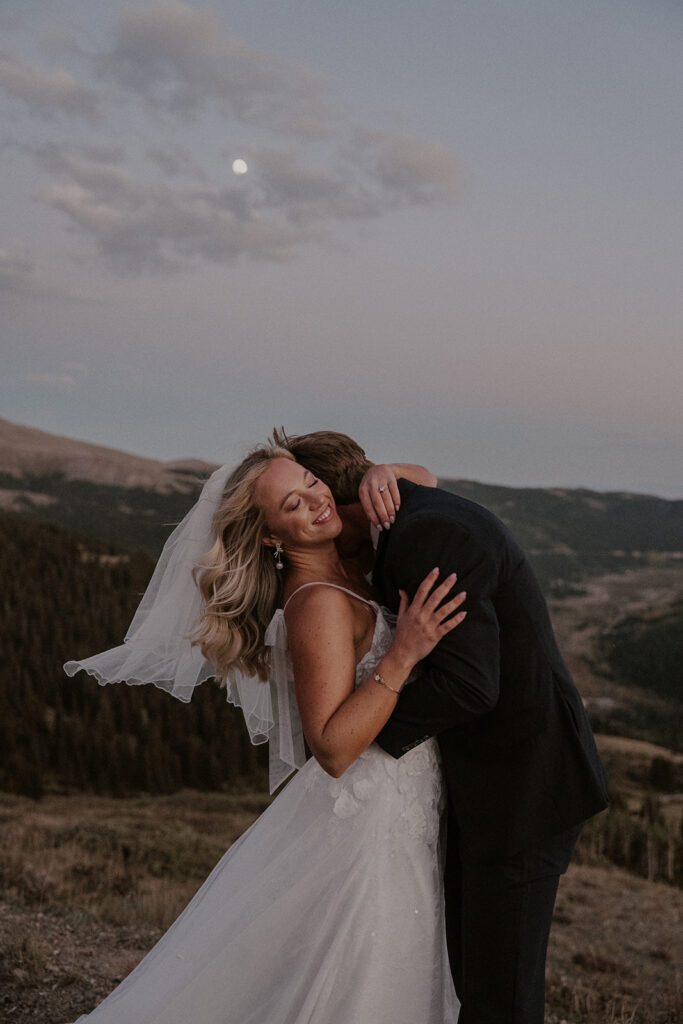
column 101, row 492
column 28, row 454
column 133, row 501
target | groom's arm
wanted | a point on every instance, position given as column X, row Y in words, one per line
column 460, row 678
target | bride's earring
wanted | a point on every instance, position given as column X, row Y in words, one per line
column 277, row 554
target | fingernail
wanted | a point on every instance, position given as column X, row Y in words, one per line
column 397, row 507
column 453, row 576
column 463, row 593
column 387, row 524
column 435, row 570
column 392, row 519
column 379, row 527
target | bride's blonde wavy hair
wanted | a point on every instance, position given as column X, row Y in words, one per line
column 237, row 578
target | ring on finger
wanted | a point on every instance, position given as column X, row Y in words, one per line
column 382, row 488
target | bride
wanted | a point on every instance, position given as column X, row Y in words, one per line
column 329, row 909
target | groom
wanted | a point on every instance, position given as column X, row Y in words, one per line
column 518, row 754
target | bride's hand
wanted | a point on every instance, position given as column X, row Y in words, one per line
column 378, row 491
column 379, row 495
column 423, row 621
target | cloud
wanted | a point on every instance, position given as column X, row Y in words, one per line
column 312, row 191
column 409, row 170
column 171, row 202
column 138, row 224
column 176, row 162
column 180, row 58
column 363, row 177
column 17, row 272
column 67, row 377
column 59, row 381
column 289, row 203
column 46, row 93
column 20, row 276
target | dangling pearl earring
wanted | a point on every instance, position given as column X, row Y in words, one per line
column 277, row 554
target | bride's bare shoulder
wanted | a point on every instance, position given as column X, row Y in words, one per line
column 314, row 597
column 318, row 611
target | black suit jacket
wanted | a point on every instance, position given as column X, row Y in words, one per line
column 518, row 753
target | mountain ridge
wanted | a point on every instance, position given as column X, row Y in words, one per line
column 27, row 452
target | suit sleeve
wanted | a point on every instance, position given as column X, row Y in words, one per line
column 460, row 679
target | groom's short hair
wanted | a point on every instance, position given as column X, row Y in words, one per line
column 335, row 458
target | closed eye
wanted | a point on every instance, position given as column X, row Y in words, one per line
column 293, row 508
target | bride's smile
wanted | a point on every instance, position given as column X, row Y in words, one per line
column 299, row 508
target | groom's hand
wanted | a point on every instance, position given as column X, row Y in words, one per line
column 379, row 495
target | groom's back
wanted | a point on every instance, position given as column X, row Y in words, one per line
column 530, row 761
column 527, row 645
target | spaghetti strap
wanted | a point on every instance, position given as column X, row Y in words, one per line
column 323, row 583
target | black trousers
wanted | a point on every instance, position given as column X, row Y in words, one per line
column 498, row 918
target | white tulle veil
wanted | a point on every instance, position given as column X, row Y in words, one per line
column 157, row 647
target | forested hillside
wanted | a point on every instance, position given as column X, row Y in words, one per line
column 63, row 597
column 134, row 517
column 66, row 595
column 646, row 650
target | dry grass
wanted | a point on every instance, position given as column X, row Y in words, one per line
column 23, row 957
column 133, row 862
column 89, row 884
column 616, row 950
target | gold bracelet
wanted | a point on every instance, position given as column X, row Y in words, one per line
column 381, row 680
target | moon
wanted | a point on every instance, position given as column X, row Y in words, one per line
column 239, row 166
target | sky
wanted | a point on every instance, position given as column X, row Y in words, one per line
column 459, row 237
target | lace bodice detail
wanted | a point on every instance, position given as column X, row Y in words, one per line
column 415, row 778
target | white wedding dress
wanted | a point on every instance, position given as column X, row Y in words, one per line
column 328, row 910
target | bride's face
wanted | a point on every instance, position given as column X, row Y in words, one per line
column 299, row 508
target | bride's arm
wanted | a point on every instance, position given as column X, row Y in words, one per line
column 418, row 474
column 340, row 722
column 378, row 491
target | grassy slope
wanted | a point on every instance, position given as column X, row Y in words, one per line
column 88, row 884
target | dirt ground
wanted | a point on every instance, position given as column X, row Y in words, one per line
column 65, row 963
